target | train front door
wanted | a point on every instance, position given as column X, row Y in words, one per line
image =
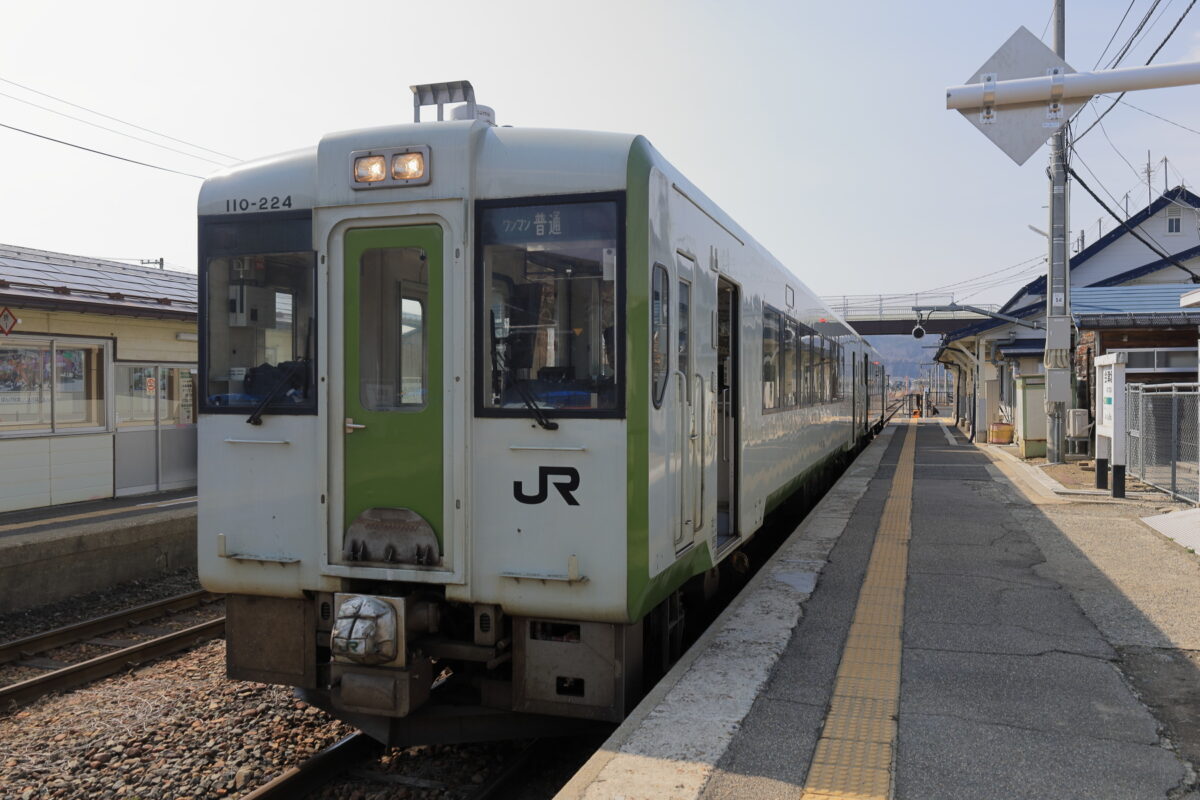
column 393, row 453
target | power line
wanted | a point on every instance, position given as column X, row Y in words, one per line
column 1170, row 33
column 117, row 119
column 112, row 130
column 1019, row 265
column 1114, row 36
column 1129, row 42
column 1157, row 250
column 1156, row 116
column 99, row 152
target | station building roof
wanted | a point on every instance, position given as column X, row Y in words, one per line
column 62, row 282
column 1143, row 305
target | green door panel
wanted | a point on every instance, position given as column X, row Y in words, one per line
column 393, row 285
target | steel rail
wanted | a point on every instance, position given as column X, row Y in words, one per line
column 327, row 764
column 74, row 675
column 70, row 634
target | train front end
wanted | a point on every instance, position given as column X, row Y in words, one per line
column 412, row 429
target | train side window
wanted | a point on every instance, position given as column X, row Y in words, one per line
column 809, row 365
column 770, row 359
column 787, row 363
column 660, row 332
column 819, row 395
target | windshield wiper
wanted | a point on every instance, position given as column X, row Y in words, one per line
column 255, row 417
column 538, row 414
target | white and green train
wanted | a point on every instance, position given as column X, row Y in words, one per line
column 478, row 403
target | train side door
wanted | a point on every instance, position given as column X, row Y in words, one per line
column 855, row 397
column 393, row 453
column 728, row 402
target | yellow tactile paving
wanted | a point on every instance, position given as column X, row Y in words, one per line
column 853, row 757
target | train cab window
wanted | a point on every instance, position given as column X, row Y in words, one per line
column 258, row 333
column 395, row 283
column 548, row 294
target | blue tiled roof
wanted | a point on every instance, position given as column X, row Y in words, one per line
column 1140, row 299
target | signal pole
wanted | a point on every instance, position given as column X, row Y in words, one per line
column 1058, row 283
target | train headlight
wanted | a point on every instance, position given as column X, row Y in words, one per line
column 370, row 169
column 408, row 166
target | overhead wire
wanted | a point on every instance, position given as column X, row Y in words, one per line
column 1155, row 248
column 1114, row 35
column 1158, row 49
column 1125, row 48
column 1021, row 265
column 113, row 130
column 99, row 152
column 118, row 119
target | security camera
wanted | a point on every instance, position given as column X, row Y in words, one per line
column 918, row 331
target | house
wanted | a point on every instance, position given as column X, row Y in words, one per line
column 998, row 363
column 97, row 375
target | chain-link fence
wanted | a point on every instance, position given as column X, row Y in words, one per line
column 1162, row 428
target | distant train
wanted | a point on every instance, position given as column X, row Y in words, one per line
column 478, row 402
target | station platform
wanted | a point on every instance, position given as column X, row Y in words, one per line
column 48, row 554
column 941, row 625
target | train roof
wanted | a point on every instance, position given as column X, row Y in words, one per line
column 508, row 162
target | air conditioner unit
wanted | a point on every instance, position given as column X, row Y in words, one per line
column 1077, row 423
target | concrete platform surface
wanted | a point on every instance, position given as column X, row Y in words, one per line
column 1024, row 620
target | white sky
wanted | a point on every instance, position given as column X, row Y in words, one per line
column 819, row 126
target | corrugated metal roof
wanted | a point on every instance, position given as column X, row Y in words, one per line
column 42, row 278
column 1140, row 299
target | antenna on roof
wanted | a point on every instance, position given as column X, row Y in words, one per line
column 149, row 261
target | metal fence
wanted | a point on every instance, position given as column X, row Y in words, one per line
column 1162, row 426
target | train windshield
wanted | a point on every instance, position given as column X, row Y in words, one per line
column 259, row 347
column 549, row 300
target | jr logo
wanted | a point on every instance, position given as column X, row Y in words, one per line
column 567, row 482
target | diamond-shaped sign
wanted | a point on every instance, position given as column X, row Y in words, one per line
column 8, row 321
column 1019, row 130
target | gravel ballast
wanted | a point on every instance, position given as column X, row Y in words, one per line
column 175, row 729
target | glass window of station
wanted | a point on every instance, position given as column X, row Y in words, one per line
column 549, row 294
column 52, row 386
column 258, row 342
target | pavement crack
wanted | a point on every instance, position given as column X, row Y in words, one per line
column 1048, row 652
column 1074, row 732
column 1012, row 581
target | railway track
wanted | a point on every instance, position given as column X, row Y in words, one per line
column 344, row 759
column 30, row 651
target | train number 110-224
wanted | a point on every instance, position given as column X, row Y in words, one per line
column 273, row 203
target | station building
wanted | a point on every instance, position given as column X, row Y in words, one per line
column 1124, row 297
column 97, row 379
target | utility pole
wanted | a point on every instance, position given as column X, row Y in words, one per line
column 1058, row 287
column 1149, row 175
